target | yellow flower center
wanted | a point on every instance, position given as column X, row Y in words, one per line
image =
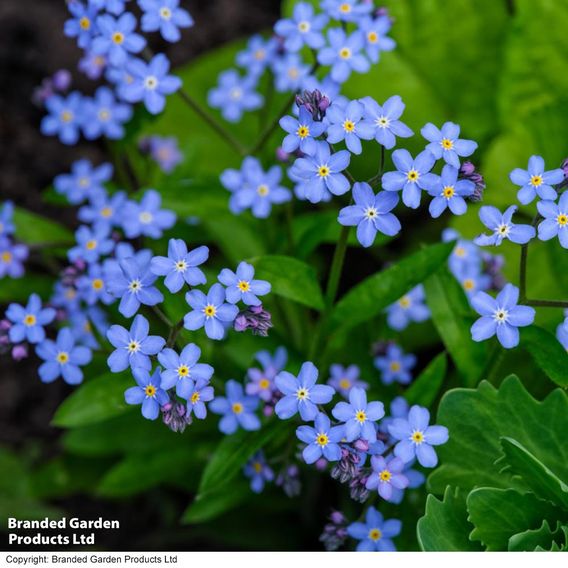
column 181, row 266
column 85, row 23
column 165, row 13
column 375, row 534
column 304, row 26
column 259, row 54
column 257, row 466
column 104, row 115
column 236, row 93
column 412, row 176
column 293, row 73
column 448, row 191
column 194, row 398
column 447, row 144
column 237, row 407
column 345, row 8
column 370, row 213
column 404, row 302
column 150, row 390
column 62, row 357
column 360, row 416
column 382, row 122
column 150, row 82
column 118, row 38
column 97, row 284
column 345, row 53
column 303, row 132
column 70, row 293
column 536, row 181
column 133, row 346
column 459, row 251
column 503, row 229
column 183, row 371
column 91, row 245
column 30, row 320
column 262, row 190
column 322, row 439
column 372, row 37
column 146, row 217
column 264, row 384
column 302, row 394
column 562, row 219
column 394, row 366
column 385, row 475
column 243, row 286
column 66, row 116
column 417, row 437
column 344, row 384
column 468, row 284
column 6, row 257
column 106, row 212
column 349, row 126
column 323, row 171
column 210, row 311
column 83, row 182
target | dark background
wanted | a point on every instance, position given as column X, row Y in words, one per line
column 33, row 47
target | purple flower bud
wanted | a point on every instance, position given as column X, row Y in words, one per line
column 334, row 532
column 5, row 325
column 255, row 318
column 175, row 417
column 467, row 171
column 61, row 80
column 282, row 156
column 321, row 464
column 19, row 352
column 337, row 517
column 361, row 445
column 289, row 480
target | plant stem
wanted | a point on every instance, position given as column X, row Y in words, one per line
column 546, row 303
column 174, row 332
column 337, row 266
column 213, row 123
column 162, row 316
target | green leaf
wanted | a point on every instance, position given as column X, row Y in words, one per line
column 534, row 473
column 290, row 278
column 444, row 527
column 211, row 505
column 498, row 514
column 19, row 289
column 452, row 317
column 477, row 419
column 97, row 400
column 35, row 229
column 425, row 388
column 375, row 293
column 543, row 538
column 547, row 352
column 234, row 451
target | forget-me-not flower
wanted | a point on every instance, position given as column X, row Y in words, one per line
column 445, row 143
column 84, row 181
column 536, row 181
column 117, row 38
column 65, row 118
column 165, row 16
column 149, row 393
column 376, row 40
column 235, row 95
column 344, row 54
column 147, row 218
column 237, row 409
column 359, row 416
column 395, row 365
column 449, row 192
column 91, row 244
column 503, row 228
column 104, row 116
column 384, row 119
column 409, row 308
column 555, row 220
column 199, row 393
column 322, row 440
column 302, row 132
column 241, row 285
column 303, row 28
column 258, row 471
column 28, row 322
column 375, row 533
column 346, row 123
column 387, row 475
column 343, row 379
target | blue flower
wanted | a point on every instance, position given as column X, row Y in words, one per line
column 555, row 220
column 111, row 266
column 303, row 28
column 104, row 116
column 7, row 226
column 62, row 358
column 258, row 54
column 84, row 181
column 165, row 16
column 398, row 409
column 387, row 475
column 91, row 244
column 146, row 218
column 258, row 471
column 415, row 479
column 234, row 95
column 150, row 83
column 165, row 151
column 103, row 211
column 376, row 40
column 65, row 117
column 359, row 416
column 347, row 10
column 261, row 382
column 180, row 265
column 183, row 370
column 323, row 440
column 395, row 366
column 502, row 227
column 134, row 286
column 501, row 316
column 82, row 324
column 92, row 288
column 82, row 23
column 445, row 143
column 344, row 54
column 302, row 132
column 345, row 123
column 343, row 379
column 449, row 192
column 148, row 393
column 535, row 181
column 241, row 286
column 12, row 257
column 209, row 311
column 322, row 172
column 28, row 322
column 412, row 176
column 301, row 394
column 416, row 437
column 92, row 65
column 472, row 279
column 237, row 409
column 117, row 38
column 133, row 348
column 199, row 393
column 410, row 308
column 562, row 334
column 375, row 533
column 255, row 189
column 289, row 72
column 385, row 120
column 464, row 253
column 371, row 213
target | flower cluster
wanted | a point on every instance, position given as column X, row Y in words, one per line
column 12, row 253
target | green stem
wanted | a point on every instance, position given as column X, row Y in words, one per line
column 213, row 123
column 490, row 371
column 546, row 303
column 174, row 332
column 162, row 316
column 337, row 266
